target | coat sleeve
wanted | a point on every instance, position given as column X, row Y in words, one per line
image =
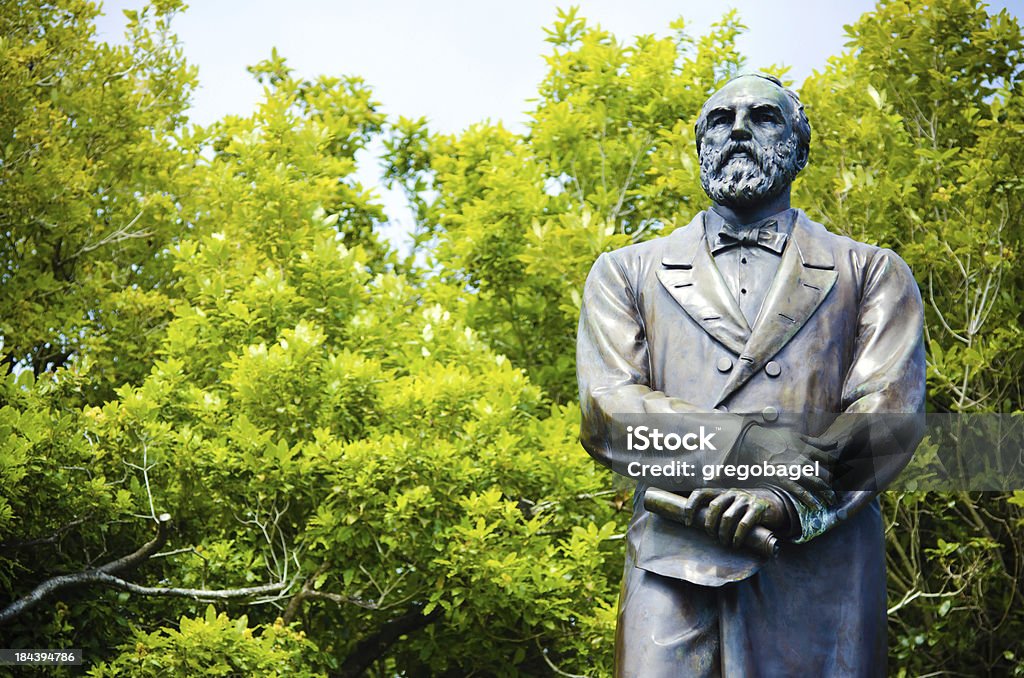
column 614, row 375
column 883, row 395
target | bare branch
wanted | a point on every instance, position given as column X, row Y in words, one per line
column 120, row 235
column 633, row 162
column 145, row 476
column 104, row 576
column 295, row 604
column 49, row 539
column 348, row 600
column 938, row 312
column 198, row 594
column 534, row 509
column 54, row 584
column 175, row 552
column 551, row 665
column 913, row 595
column 133, row 560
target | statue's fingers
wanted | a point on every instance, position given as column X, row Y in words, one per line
column 825, row 459
column 824, row 476
column 751, row 517
column 715, row 509
column 802, row 494
column 694, row 502
column 730, row 517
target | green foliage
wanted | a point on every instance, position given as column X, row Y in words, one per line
column 88, row 170
column 518, row 218
column 918, row 141
column 312, row 418
column 290, row 457
column 955, row 567
column 295, row 153
column 64, row 502
column 370, row 491
column 215, row 646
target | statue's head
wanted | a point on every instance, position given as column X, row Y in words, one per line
column 753, row 138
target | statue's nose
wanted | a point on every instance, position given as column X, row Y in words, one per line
column 740, row 128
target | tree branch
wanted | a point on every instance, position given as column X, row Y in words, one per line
column 54, row 584
column 551, row 664
column 50, row 539
column 117, row 236
column 295, row 604
column 371, row 648
column 104, row 575
column 198, row 594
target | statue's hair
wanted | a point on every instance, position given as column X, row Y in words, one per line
column 801, row 125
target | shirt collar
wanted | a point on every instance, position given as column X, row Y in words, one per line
column 713, row 222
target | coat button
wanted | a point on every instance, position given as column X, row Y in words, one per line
column 724, row 364
column 773, row 369
column 769, row 414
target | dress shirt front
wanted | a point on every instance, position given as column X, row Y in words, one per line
column 748, row 269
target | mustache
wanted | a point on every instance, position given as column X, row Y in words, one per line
column 736, row 147
column 764, row 172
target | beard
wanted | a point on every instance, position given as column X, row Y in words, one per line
column 742, row 174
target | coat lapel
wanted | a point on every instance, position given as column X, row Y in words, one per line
column 806, row 275
column 689, row 274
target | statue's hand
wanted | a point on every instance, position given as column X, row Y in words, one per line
column 733, row 513
column 782, row 446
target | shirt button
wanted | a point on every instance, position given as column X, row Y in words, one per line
column 769, row 414
column 743, row 291
column 773, row 369
column 724, row 364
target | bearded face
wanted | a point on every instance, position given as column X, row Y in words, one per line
column 742, row 173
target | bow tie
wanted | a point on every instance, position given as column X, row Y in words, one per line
column 766, row 236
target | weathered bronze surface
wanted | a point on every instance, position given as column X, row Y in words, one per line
column 788, row 337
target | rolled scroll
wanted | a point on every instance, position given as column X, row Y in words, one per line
column 760, row 539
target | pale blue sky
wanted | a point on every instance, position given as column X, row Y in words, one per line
column 460, row 61
column 457, row 62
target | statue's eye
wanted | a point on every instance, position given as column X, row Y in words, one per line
column 766, row 115
column 720, row 118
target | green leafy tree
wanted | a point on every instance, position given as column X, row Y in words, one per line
column 88, row 174
column 916, row 143
column 518, row 219
column 318, row 438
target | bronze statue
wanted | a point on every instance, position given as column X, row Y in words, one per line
column 789, row 344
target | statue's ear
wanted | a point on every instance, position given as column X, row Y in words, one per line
column 802, row 155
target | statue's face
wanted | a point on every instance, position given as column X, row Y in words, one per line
column 749, row 153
